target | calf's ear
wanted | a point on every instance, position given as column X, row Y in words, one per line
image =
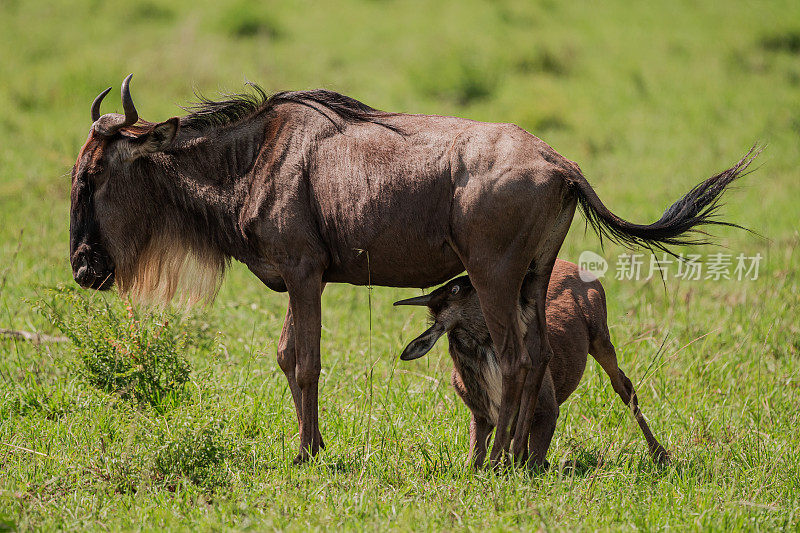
column 422, row 344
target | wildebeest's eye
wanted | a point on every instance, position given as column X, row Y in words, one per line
column 454, row 290
column 95, row 172
column 92, row 169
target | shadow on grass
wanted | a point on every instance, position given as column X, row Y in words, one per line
column 582, row 463
column 581, row 467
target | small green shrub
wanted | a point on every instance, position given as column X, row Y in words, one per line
column 194, row 454
column 787, row 41
column 137, row 356
column 545, row 61
column 150, row 11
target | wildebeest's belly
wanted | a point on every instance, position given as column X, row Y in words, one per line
column 391, row 250
column 396, row 269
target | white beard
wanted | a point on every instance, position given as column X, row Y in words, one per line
column 168, row 269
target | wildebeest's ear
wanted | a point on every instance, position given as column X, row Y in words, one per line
column 422, row 344
column 160, row 137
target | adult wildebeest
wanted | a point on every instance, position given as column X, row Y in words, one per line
column 312, row 187
column 577, row 324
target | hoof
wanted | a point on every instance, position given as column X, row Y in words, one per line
column 301, row 458
column 661, row 457
column 539, row 468
column 305, row 455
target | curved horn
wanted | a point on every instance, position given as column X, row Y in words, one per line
column 96, row 104
column 131, row 116
column 113, row 122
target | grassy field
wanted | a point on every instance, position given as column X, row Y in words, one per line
column 649, row 98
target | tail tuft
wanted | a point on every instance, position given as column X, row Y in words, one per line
column 678, row 223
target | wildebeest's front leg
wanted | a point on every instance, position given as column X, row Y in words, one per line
column 287, row 360
column 305, row 307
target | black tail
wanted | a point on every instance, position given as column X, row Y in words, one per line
column 676, row 225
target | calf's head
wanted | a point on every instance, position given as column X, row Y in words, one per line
column 108, row 212
column 453, row 305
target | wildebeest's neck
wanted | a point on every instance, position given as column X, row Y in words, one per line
column 205, row 178
column 186, row 202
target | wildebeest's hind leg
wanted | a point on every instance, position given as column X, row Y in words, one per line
column 539, row 347
column 544, row 424
column 603, row 351
column 288, row 363
column 536, row 341
column 497, row 257
column 305, row 303
column 498, row 293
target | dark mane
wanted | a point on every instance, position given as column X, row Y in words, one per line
column 236, row 107
column 231, row 109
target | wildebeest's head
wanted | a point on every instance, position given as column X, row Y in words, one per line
column 117, row 230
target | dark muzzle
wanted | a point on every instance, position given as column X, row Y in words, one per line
column 92, row 271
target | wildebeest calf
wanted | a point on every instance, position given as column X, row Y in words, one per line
column 576, row 325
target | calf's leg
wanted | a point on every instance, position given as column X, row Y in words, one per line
column 544, row 424
column 603, row 351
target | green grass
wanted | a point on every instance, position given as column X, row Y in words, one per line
column 649, row 98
